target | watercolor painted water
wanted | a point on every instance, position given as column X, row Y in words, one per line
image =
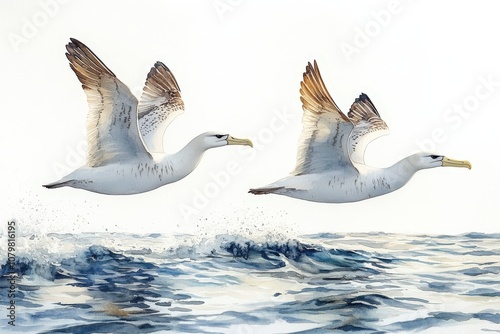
column 324, row 283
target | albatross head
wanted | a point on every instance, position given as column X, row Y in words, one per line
column 426, row 160
column 215, row 139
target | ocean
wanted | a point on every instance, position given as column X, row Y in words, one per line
column 321, row 283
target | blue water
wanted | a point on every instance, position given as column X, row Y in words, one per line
column 324, row 283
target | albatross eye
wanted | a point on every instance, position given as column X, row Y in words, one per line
column 219, row 136
column 434, row 156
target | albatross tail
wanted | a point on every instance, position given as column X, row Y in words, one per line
column 57, row 184
column 264, row 191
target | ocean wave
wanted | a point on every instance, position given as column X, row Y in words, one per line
column 98, row 259
column 367, row 283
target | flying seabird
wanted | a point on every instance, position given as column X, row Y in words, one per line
column 125, row 137
column 330, row 164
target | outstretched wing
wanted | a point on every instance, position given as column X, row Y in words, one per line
column 368, row 126
column 160, row 103
column 323, row 142
column 112, row 131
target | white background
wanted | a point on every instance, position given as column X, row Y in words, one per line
column 239, row 65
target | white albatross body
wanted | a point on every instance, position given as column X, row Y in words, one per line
column 138, row 175
column 125, row 137
column 330, row 160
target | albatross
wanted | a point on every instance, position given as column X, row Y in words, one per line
column 125, row 153
column 330, row 165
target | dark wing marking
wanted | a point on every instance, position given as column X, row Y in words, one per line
column 323, row 142
column 112, row 130
column 368, row 126
column 160, row 103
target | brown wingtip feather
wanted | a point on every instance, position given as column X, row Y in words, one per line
column 163, row 77
column 314, row 94
column 84, row 61
column 362, row 109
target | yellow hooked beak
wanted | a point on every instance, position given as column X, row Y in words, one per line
column 456, row 163
column 237, row 141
